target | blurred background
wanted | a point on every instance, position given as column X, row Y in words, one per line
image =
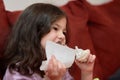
column 13, row 5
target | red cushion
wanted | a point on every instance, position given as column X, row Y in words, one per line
column 4, row 27
column 96, row 28
column 104, row 24
column 12, row 17
column 79, row 33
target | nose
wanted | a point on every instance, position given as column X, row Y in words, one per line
column 61, row 35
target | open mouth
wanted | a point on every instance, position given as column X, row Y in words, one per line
column 59, row 42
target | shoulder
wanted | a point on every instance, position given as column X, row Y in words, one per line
column 17, row 76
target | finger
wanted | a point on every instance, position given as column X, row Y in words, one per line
column 85, row 59
column 61, row 67
column 55, row 63
column 52, row 66
column 92, row 58
column 51, row 63
column 49, row 67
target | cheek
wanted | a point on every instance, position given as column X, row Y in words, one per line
column 43, row 43
column 50, row 37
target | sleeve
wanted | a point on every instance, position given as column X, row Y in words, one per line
column 68, row 76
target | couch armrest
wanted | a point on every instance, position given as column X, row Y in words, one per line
column 12, row 17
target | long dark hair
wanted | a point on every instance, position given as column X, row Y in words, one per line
column 24, row 53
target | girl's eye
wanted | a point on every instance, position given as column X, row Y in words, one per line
column 55, row 28
column 64, row 33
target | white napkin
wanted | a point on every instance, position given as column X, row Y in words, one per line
column 62, row 53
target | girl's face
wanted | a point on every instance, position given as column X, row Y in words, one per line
column 57, row 33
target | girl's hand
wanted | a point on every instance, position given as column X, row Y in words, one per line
column 88, row 65
column 55, row 69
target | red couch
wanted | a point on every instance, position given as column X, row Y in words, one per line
column 93, row 27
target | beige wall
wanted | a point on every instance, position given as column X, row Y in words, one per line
column 21, row 4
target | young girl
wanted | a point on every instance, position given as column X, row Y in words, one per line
column 26, row 48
